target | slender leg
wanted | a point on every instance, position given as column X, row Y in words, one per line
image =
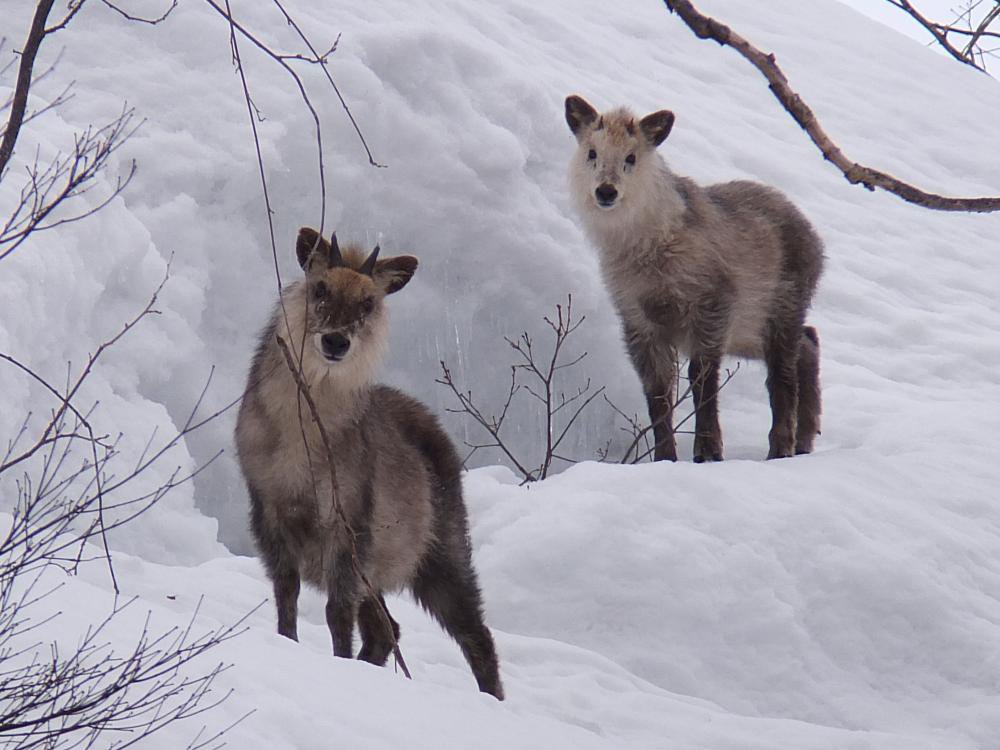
column 711, row 320
column 656, row 367
column 376, row 639
column 447, row 589
column 342, row 604
column 281, row 565
column 703, row 372
column 286, row 598
column 661, row 411
column 781, row 356
column 810, row 398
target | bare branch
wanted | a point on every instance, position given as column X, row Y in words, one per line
column 970, row 52
column 542, row 387
column 321, row 59
column 151, row 21
column 857, row 174
column 65, row 177
column 20, row 103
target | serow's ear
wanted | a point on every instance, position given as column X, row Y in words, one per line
column 579, row 114
column 656, row 127
column 310, row 248
column 394, row 273
column 309, row 242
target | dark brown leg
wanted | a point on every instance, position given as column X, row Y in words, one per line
column 661, row 410
column 656, row 367
column 703, row 372
column 281, row 565
column 781, row 356
column 810, row 399
column 286, row 599
column 376, row 639
column 447, row 589
column 342, row 605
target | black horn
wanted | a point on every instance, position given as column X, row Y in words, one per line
column 335, row 258
column 368, row 267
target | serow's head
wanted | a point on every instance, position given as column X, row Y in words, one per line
column 344, row 295
column 616, row 154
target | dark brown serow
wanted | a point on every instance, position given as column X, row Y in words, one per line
column 700, row 271
column 397, row 474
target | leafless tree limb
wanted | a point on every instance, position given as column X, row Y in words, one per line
column 70, row 698
column 20, row 103
column 321, row 60
column 705, row 27
column 970, row 50
column 151, row 21
column 542, row 386
column 68, row 176
column 492, row 424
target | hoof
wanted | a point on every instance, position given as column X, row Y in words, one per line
column 703, row 459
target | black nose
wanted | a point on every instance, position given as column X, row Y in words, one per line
column 335, row 346
column 606, row 194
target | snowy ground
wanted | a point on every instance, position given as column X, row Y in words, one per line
column 849, row 599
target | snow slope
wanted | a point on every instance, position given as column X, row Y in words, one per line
column 848, row 599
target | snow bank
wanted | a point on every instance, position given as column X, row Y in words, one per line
column 464, row 106
column 843, row 591
column 809, row 604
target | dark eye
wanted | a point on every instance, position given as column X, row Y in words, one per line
column 630, row 159
column 592, row 155
column 368, row 305
column 320, row 290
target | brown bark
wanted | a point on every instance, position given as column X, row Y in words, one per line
column 857, row 174
column 20, row 103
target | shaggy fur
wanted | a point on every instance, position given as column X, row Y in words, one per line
column 702, row 272
column 398, row 475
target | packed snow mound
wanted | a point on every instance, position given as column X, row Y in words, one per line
column 799, row 604
column 854, row 596
column 464, row 105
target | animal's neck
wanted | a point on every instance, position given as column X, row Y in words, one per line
column 340, row 392
column 340, row 405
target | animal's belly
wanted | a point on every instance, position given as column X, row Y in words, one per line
column 398, row 533
column 401, row 533
column 746, row 332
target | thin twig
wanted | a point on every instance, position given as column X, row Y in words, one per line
column 151, row 21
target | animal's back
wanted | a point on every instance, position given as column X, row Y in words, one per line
column 428, row 443
column 773, row 256
column 764, row 217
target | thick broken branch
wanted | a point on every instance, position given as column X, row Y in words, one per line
column 857, row 174
column 20, row 103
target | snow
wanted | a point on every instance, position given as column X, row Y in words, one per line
column 848, row 599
